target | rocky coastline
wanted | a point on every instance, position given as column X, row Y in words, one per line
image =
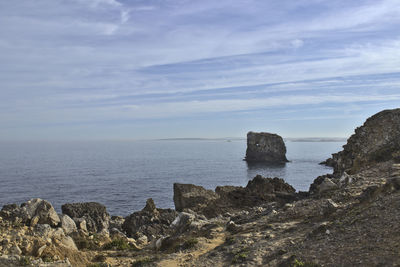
column 348, row 218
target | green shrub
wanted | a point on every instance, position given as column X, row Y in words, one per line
column 240, row 256
column 119, row 244
column 298, row 263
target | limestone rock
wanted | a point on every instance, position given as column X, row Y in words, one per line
column 67, row 224
column 265, row 147
column 187, row 196
column 227, row 198
column 151, row 222
column 31, row 213
column 378, row 140
column 116, row 222
column 95, row 215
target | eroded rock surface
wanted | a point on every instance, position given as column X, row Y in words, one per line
column 150, row 221
column 94, row 214
column 227, row 198
column 31, row 213
column 378, row 140
column 265, row 147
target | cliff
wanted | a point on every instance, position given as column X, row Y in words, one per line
column 378, row 140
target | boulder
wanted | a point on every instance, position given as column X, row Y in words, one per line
column 378, row 140
column 150, row 221
column 35, row 211
column 322, row 184
column 265, row 147
column 261, row 186
column 95, row 214
column 188, row 196
column 67, row 224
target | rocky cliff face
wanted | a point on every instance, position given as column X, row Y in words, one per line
column 265, row 147
column 378, row 140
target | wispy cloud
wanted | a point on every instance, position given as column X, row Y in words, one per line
column 122, row 60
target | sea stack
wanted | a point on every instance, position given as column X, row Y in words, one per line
column 265, row 147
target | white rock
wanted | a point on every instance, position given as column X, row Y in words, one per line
column 67, row 224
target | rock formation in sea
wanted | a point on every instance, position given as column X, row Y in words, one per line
column 265, row 147
column 378, row 140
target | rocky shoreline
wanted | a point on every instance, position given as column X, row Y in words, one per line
column 349, row 218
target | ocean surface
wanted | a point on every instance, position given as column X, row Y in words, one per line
column 123, row 174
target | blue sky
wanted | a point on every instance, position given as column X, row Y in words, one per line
column 108, row 69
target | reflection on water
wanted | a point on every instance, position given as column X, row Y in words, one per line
column 266, row 169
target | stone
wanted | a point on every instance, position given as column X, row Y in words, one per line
column 35, row 211
column 67, row 224
column 327, row 185
column 68, row 242
column 377, row 140
column 95, row 214
column 259, row 190
column 345, row 179
column 42, row 230
column 42, row 210
column 116, row 222
column 261, row 186
column 187, row 196
column 322, row 184
column 151, row 222
column 15, row 250
column 142, row 240
column 265, row 147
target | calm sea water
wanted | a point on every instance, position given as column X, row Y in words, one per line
column 122, row 175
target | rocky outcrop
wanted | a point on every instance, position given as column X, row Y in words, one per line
column 323, row 184
column 226, row 198
column 150, row 221
column 35, row 211
column 378, row 140
column 94, row 214
column 265, row 147
column 187, row 196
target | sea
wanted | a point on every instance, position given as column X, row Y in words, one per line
column 123, row 174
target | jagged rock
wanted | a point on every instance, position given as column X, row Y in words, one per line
column 261, row 186
column 151, row 222
column 31, row 213
column 95, row 214
column 67, row 224
column 265, row 147
column 225, row 198
column 81, row 224
column 322, row 184
column 327, row 185
column 187, row 196
column 116, row 222
column 378, row 140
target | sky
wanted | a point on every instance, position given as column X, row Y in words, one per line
column 144, row 69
